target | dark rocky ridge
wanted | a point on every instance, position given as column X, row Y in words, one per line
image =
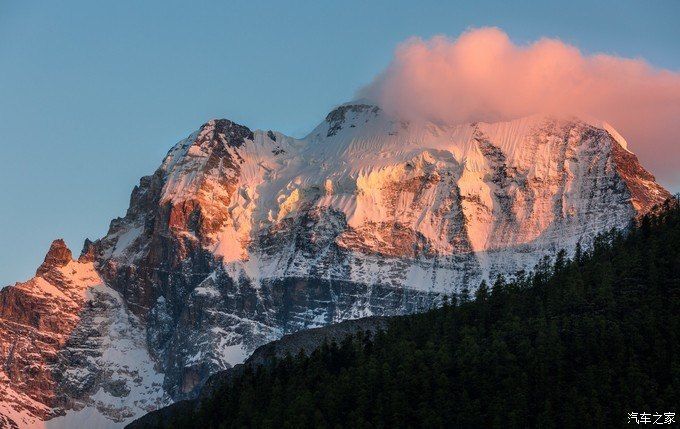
column 306, row 341
column 336, row 118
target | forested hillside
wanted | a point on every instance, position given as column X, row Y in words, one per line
column 578, row 342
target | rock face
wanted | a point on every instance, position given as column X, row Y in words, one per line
column 241, row 237
column 68, row 343
column 303, row 341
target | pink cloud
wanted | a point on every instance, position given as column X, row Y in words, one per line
column 483, row 76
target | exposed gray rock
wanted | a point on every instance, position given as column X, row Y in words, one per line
column 303, row 341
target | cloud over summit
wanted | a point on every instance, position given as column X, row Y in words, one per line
column 483, row 76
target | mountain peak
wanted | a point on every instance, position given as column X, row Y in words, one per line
column 338, row 116
column 58, row 256
column 224, row 131
column 88, row 252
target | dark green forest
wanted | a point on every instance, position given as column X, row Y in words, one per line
column 575, row 343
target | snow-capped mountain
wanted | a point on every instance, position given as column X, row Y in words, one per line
column 242, row 236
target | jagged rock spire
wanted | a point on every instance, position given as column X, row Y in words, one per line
column 58, row 256
column 88, row 252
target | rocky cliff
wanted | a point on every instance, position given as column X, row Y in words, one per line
column 68, row 343
column 305, row 341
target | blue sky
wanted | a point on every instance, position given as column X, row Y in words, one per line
column 93, row 94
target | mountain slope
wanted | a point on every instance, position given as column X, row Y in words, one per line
column 306, row 341
column 590, row 339
column 243, row 236
column 68, row 344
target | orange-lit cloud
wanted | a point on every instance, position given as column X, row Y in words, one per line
column 483, row 76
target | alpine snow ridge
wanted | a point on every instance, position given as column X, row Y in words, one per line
column 243, row 236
